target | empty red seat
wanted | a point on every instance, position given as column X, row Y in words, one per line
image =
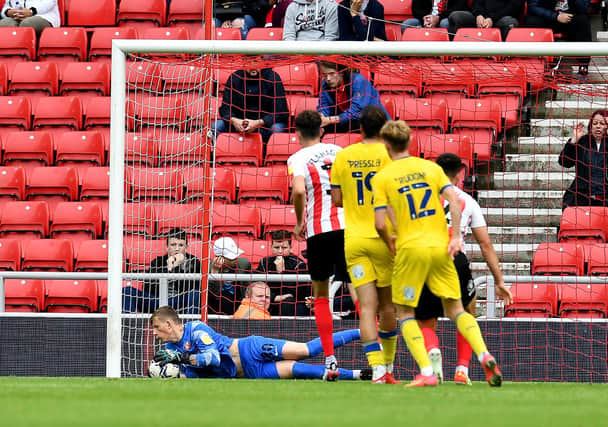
column 24, row 295
column 480, row 119
column 144, row 75
column 101, row 41
column 535, row 66
column 504, row 84
column 299, row 103
column 413, row 34
column 300, row 78
column 432, row 146
column 239, row 148
column 173, row 33
column 201, row 112
column 185, row 13
column 96, row 183
column 597, row 259
column 183, row 77
column 97, row 113
column 25, row 220
column 559, row 259
column 280, row 147
column 270, row 183
column 222, row 34
column 533, row 300
column 15, row 112
column 159, row 184
column 398, row 78
column 141, row 13
column 92, row 255
column 478, row 35
column 10, row 255
column 140, row 253
column 584, row 223
column 279, row 217
column 583, row 300
column 267, row 33
column 224, row 185
column 28, row 149
column 422, row 113
column 58, row 112
column 52, row 184
column 342, row 139
column 71, row 296
column 30, row 78
column 188, row 217
column 18, row 44
column 92, row 13
column 454, row 78
column 397, row 10
column 139, row 219
column 63, row 44
column 76, row 221
column 80, row 149
column 155, row 111
column 3, row 79
column 177, row 148
column 48, row 255
column 141, row 148
column 237, row 219
column 12, row 184
column 85, row 78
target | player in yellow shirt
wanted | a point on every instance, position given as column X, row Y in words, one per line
column 411, row 187
column 368, row 259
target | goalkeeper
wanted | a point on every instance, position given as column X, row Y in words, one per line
column 203, row 353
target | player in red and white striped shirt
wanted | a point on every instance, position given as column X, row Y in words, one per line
column 310, row 169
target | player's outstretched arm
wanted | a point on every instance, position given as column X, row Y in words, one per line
column 489, row 255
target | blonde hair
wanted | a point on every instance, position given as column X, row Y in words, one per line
column 166, row 313
column 397, row 134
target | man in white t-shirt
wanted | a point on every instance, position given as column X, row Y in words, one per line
column 429, row 306
column 310, row 170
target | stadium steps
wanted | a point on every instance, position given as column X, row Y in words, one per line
column 546, row 144
column 522, row 234
column 480, row 269
column 522, row 217
column 539, row 180
column 556, row 127
column 576, row 109
column 551, row 199
column 532, row 163
column 507, row 252
column 581, row 92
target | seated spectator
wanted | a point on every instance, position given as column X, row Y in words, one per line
column 587, row 152
column 563, row 16
column 428, row 14
column 253, row 101
column 501, row 14
column 223, row 295
column 360, row 20
column 311, row 20
column 276, row 16
column 344, row 93
column 287, row 298
column 240, row 14
column 256, row 303
column 184, row 295
column 38, row 14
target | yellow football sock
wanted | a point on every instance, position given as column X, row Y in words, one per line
column 389, row 345
column 415, row 342
column 373, row 351
column 469, row 328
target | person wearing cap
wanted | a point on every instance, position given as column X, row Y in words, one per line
column 222, row 295
column 184, row 294
column 256, row 303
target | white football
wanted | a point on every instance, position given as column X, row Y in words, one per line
column 168, row 371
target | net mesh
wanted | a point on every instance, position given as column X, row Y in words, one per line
column 508, row 118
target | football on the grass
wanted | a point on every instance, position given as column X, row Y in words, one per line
column 155, row 370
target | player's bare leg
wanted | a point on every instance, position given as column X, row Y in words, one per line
column 368, row 303
column 415, row 343
column 354, row 297
column 468, row 327
column 325, row 326
column 388, row 330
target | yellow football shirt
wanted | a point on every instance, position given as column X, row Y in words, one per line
column 352, row 172
column 411, row 187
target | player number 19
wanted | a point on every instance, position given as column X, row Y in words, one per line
column 361, row 181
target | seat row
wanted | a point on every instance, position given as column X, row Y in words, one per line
column 571, row 259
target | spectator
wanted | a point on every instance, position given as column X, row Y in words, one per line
column 311, row 20
column 184, row 295
column 276, row 16
column 256, row 303
column 563, row 16
column 360, row 20
column 240, row 14
column 37, row 14
column 222, row 295
column 587, row 152
column 428, row 14
column 501, row 14
column 253, row 101
column 344, row 93
column 287, row 299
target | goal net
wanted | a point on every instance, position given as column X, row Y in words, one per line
column 177, row 176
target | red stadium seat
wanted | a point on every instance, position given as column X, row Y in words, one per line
column 224, row 185
column 92, row 13
column 239, row 148
column 201, row 112
column 584, row 223
column 71, row 296
column 97, row 113
column 10, row 255
column 269, row 183
column 76, row 221
column 255, row 250
column 504, row 84
column 63, row 44
column 183, row 77
column 92, row 256
column 12, row 184
column 18, row 44
column 141, row 13
column 342, row 139
column 299, row 103
column 533, row 300
column 28, row 149
column 457, row 79
column 155, row 111
column 140, row 253
column 267, row 33
column 59, row 112
column 96, row 183
column 185, row 13
column 300, row 78
column 24, row 295
column 221, row 34
column 280, row 146
column 279, row 217
column 397, row 10
column 177, row 148
column 48, row 255
column 145, row 75
column 583, row 300
column 139, row 219
column 413, row 34
column 52, row 184
column 85, row 78
column 15, row 112
column 478, row 35
column 236, row 219
column 24, row 220
column 173, row 33
column 480, row 120
column 535, row 66
column 141, row 148
column 188, row 217
column 80, row 149
column 432, row 146
column 597, row 259
column 421, row 113
column 3, row 79
column 34, row 78
column 159, row 184
column 197, row 185
column 397, row 78
column 560, row 259
column 101, row 41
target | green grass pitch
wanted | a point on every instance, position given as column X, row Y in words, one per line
column 153, row 402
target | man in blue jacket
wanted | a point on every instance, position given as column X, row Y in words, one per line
column 344, row 94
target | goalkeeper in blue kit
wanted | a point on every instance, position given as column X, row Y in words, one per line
column 201, row 352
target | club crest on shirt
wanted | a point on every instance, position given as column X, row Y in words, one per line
column 409, row 293
column 187, row 346
column 358, row 271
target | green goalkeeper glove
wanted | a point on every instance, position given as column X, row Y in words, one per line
column 171, row 356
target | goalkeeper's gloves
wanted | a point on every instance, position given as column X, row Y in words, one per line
column 171, row 356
